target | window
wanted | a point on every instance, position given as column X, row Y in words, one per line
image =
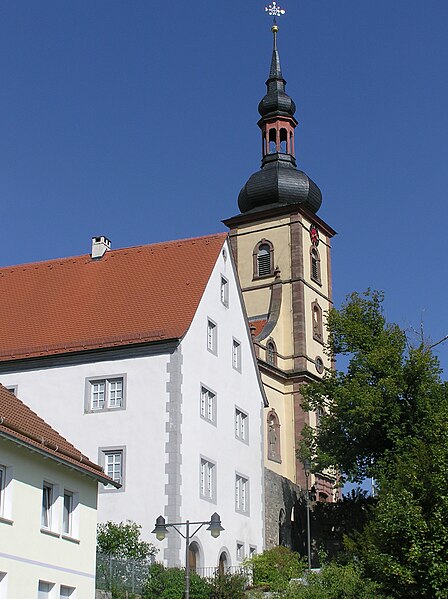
column 3, row 585
column 67, row 515
column 317, row 322
column 236, row 355
column 105, row 394
column 239, row 551
column 224, row 291
column 12, row 390
column 114, row 465
column 208, row 405
column 315, row 265
column 48, row 497
column 113, row 460
column 273, row 437
column 45, row 589
column 319, row 364
column 208, row 480
column 66, row 592
column 241, row 425
column 271, row 353
column 212, row 336
column 241, row 494
column 252, row 550
column 263, row 259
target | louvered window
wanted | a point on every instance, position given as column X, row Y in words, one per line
column 315, row 265
column 264, row 260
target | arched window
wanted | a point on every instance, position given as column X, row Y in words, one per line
column 272, row 141
column 273, row 437
column 283, row 141
column 315, row 265
column 317, row 322
column 263, row 259
column 271, row 353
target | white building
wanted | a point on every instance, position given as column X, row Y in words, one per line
column 143, row 357
column 48, row 503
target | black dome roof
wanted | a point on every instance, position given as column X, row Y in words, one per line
column 279, row 182
column 276, row 101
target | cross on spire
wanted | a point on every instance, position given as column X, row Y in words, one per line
column 274, row 10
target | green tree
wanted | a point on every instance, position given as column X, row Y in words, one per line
column 386, row 416
column 273, row 569
column 123, row 541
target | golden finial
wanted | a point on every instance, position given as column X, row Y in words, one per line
column 274, row 28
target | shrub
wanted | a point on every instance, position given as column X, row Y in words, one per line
column 334, row 581
column 169, row 583
column 274, row 568
column 228, row 586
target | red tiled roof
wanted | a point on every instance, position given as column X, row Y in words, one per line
column 258, row 326
column 130, row 295
column 18, row 422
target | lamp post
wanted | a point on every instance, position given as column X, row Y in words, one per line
column 307, row 468
column 161, row 530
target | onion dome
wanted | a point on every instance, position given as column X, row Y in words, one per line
column 279, row 182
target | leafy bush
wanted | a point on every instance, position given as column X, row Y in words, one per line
column 123, row 541
column 228, row 586
column 169, row 583
column 334, row 582
column 274, row 568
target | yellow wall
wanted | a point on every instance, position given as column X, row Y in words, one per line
column 28, row 554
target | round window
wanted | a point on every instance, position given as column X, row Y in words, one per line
column 319, row 364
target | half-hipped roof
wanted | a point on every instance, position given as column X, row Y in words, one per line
column 20, row 424
column 128, row 296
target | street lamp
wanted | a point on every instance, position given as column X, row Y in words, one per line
column 161, row 530
column 307, row 468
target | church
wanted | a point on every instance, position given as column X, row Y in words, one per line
column 184, row 379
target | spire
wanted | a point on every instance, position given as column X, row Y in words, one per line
column 279, row 182
column 276, row 71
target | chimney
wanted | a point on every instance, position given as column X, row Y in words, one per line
column 100, row 245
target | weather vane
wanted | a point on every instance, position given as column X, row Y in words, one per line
column 274, row 10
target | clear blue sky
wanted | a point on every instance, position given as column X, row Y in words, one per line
column 137, row 120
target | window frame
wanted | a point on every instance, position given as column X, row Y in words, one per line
column 207, row 467
column 274, row 455
column 315, row 260
column 242, row 494
column 255, row 260
column 49, row 591
column 108, row 380
column 103, row 452
column 71, row 590
column 212, row 336
column 241, row 425
column 271, row 344
column 204, row 406
column 317, row 322
column 224, row 291
column 240, row 554
column 236, row 356
column 50, row 512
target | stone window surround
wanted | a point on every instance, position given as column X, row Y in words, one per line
column 214, row 418
column 255, row 259
column 88, row 394
column 212, row 336
column 245, row 438
column 213, row 495
column 102, row 451
column 224, row 291
column 246, row 482
column 236, row 354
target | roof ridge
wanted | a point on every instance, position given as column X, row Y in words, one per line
column 41, row 263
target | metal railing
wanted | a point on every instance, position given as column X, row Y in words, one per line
column 114, row 574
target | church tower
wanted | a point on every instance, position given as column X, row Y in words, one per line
column 282, row 251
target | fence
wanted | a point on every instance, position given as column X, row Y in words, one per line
column 121, row 574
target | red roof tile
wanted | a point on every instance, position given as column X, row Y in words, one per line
column 131, row 295
column 18, row 422
column 256, row 326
